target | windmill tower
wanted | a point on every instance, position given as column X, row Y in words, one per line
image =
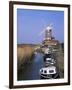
column 48, row 33
column 48, row 38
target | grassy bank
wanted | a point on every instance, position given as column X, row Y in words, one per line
column 60, row 61
column 25, row 54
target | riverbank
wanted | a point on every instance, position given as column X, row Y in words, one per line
column 25, row 53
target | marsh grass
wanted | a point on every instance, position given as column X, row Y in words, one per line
column 25, row 55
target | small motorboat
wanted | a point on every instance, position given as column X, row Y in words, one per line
column 35, row 53
column 48, row 58
column 50, row 61
column 48, row 72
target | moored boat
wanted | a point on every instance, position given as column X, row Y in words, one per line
column 48, row 72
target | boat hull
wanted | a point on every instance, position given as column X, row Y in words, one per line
column 50, row 76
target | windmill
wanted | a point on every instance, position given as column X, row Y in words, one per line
column 48, row 32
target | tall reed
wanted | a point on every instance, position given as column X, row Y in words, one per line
column 24, row 54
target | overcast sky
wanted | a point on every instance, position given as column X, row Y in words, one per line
column 30, row 23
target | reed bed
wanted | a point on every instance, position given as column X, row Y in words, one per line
column 24, row 54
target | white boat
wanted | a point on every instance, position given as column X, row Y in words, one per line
column 47, row 51
column 48, row 72
column 48, row 58
column 35, row 53
column 50, row 61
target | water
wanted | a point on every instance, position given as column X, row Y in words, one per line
column 30, row 71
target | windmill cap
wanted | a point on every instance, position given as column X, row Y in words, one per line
column 49, row 28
